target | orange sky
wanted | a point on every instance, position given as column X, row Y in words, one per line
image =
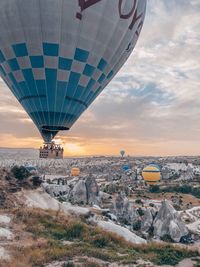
column 105, row 146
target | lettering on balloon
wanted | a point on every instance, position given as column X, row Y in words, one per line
column 136, row 17
column 139, row 28
column 132, row 12
column 129, row 47
column 84, row 4
column 128, row 15
column 135, row 38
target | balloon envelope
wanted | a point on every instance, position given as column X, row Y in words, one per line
column 56, row 56
column 151, row 174
column 122, row 153
column 75, row 172
column 126, row 168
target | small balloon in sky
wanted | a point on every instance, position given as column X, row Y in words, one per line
column 122, row 153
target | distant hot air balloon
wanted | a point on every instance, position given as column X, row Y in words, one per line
column 126, row 168
column 122, row 153
column 57, row 56
column 75, row 171
column 151, row 174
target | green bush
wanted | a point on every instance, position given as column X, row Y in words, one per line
column 177, row 207
column 36, row 180
column 20, row 173
column 154, row 189
column 75, row 231
column 185, row 189
column 100, row 241
column 151, row 230
column 196, row 192
column 138, row 201
column 170, row 256
column 140, row 212
column 137, row 225
column 167, row 238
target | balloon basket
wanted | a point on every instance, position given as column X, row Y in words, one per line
column 51, row 151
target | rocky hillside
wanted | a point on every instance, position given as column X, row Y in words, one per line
column 38, row 230
column 35, row 237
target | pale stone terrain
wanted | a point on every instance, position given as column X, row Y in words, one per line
column 106, row 196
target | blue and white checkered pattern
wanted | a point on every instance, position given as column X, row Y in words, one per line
column 55, row 62
column 53, row 89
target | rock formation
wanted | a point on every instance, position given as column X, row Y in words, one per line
column 78, row 194
column 125, row 213
column 167, row 223
column 56, row 190
column 92, row 190
column 147, row 221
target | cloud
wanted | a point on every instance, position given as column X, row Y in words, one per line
column 157, row 92
column 153, row 104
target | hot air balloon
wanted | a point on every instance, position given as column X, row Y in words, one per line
column 151, row 174
column 75, row 172
column 122, row 153
column 126, row 168
column 57, row 56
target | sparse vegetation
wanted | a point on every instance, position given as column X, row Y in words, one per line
column 171, row 256
column 68, row 264
column 183, row 189
column 100, row 241
column 54, row 228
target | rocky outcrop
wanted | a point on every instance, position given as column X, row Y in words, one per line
column 85, row 192
column 177, row 230
column 56, row 190
column 147, row 221
column 167, row 222
column 119, row 205
column 92, row 190
column 125, row 213
column 105, row 200
column 121, row 231
column 104, row 196
column 192, row 218
column 78, row 194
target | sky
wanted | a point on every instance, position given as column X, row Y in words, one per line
column 152, row 107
